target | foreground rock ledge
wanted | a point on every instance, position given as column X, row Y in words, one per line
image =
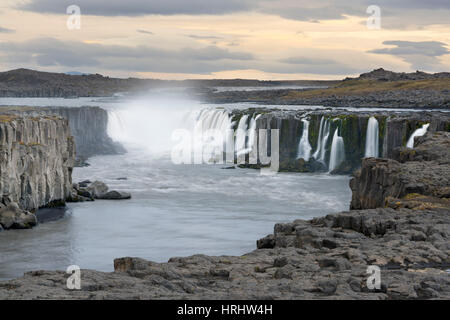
column 323, row 258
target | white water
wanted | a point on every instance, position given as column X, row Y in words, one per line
column 175, row 210
column 319, row 139
column 372, row 134
column 418, row 133
column 337, row 155
column 241, row 134
column 304, row 147
column 324, row 133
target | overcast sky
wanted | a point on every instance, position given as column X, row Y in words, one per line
column 264, row 39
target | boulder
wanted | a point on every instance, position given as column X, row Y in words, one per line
column 76, row 197
column 97, row 188
column 84, row 184
column 84, row 193
column 12, row 217
column 115, row 195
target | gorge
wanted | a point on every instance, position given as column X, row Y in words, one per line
column 332, row 141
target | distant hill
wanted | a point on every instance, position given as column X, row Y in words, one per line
column 385, row 75
column 31, row 83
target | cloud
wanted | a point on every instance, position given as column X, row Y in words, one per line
column 426, row 48
column 421, row 55
column 399, row 14
column 139, row 7
column 193, row 36
column 52, row 52
column 307, row 61
column 335, row 68
column 145, row 32
column 6, row 30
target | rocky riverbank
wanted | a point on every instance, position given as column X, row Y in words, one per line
column 407, row 237
column 38, row 149
column 36, row 160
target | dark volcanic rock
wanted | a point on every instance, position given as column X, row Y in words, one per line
column 36, row 159
column 12, row 217
column 324, row 258
column 425, row 170
column 89, row 126
column 114, row 195
column 96, row 189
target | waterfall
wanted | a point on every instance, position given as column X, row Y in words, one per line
column 304, row 148
column 207, row 121
column 115, row 127
column 337, row 155
column 324, row 133
column 319, row 139
column 372, row 138
column 252, row 133
column 241, row 133
column 323, row 151
column 418, row 133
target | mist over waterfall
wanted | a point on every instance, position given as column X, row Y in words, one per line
column 372, row 134
column 337, row 155
column 149, row 122
column 324, row 133
column 304, row 147
column 418, row 133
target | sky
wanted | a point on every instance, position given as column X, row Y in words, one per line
column 204, row 39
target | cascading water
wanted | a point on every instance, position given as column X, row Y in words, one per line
column 304, row 148
column 372, row 135
column 418, row 133
column 251, row 134
column 319, row 139
column 210, row 133
column 337, row 155
column 324, row 133
column 241, row 134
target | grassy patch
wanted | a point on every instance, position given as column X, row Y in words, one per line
column 358, row 87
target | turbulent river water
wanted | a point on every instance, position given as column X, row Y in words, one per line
column 175, row 210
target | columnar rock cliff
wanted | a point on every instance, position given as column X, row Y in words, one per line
column 416, row 176
column 89, row 126
column 394, row 130
column 36, row 160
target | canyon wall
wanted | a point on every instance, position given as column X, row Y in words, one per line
column 394, row 130
column 418, row 177
column 36, row 160
column 89, row 127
